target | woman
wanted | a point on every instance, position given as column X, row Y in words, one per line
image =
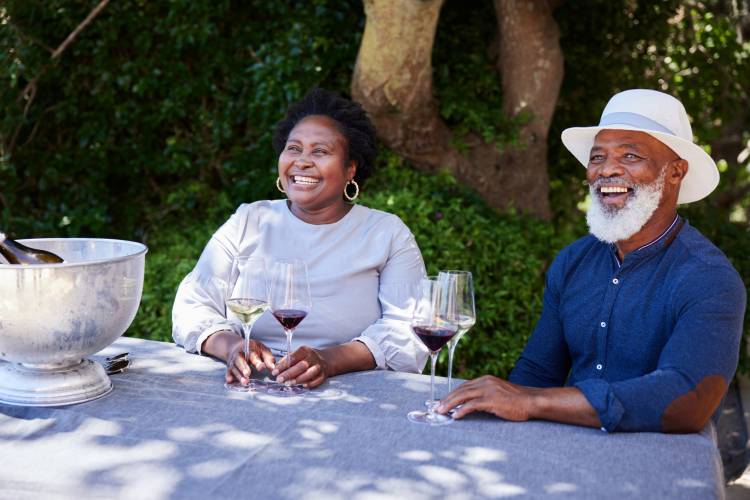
column 362, row 263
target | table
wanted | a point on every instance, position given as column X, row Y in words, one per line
column 170, row 430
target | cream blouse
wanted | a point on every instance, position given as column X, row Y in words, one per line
column 363, row 270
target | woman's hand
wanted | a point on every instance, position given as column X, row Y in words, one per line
column 238, row 364
column 306, row 366
column 228, row 347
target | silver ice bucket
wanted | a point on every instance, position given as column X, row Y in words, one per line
column 52, row 316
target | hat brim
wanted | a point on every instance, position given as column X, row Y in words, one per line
column 702, row 176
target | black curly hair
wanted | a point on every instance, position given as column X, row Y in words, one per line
column 350, row 119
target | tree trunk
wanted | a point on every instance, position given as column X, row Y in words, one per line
column 393, row 81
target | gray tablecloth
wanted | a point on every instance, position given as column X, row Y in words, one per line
column 170, row 430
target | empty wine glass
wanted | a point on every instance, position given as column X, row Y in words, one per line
column 248, row 300
column 460, row 289
column 431, row 323
column 290, row 303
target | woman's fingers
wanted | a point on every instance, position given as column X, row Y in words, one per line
column 268, row 359
column 304, row 366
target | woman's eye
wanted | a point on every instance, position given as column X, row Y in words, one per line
column 320, row 151
column 293, row 147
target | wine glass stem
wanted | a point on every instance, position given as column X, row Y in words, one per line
column 451, row 349
column 246, row 329
column 288, row 347
column 431, row 407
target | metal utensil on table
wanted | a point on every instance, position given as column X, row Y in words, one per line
column 117, row 363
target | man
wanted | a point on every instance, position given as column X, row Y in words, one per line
column 642, row 319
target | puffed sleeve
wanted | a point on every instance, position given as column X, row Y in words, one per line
column 694, row 368
column 199, row 309
column 389, row 339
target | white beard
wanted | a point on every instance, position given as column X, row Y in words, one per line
column 617, row 224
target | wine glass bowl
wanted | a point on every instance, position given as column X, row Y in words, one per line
column 53, row 316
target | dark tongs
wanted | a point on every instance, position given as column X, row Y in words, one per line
column 117, row 363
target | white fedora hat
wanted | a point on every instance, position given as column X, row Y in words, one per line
column 662, row 116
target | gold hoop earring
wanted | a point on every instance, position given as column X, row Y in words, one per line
column 278, row 185
column 356, row 190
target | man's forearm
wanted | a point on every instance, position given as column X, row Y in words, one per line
column 567, row 405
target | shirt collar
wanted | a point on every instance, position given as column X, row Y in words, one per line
column 650, row 248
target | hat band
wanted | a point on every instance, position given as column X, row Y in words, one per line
column 634, row 120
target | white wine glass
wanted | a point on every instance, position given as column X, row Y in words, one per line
column 290, row 303
column 431, row 323
column 247, row 300
column 460, row 290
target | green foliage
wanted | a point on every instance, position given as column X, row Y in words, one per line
column 155, row 107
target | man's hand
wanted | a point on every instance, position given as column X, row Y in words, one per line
column 516, row 402
column 492, row 395
column 306, row 366
column 238, row 364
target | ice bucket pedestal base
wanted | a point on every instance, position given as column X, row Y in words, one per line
column 21, row 385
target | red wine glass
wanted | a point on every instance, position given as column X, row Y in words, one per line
column 431, row 323
column 290, row 303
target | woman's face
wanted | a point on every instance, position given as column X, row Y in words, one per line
column 312, row 165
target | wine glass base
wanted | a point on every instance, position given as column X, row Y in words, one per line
column 237, row 387
column 423, row 417
column 286, row 390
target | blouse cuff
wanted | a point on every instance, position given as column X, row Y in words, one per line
column 375, row 350
column 601, row 396
column 210, row 331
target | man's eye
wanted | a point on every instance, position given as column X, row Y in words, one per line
column 631, row 156
column 596, row 158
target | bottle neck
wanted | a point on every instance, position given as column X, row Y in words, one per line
column 2, row 237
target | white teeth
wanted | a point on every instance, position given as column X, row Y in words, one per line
column 613, row 189
column 299, row 179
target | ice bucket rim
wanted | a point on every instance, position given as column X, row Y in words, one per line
column 140, row 249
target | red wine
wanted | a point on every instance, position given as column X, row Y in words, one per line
column 434, row 337
column 289, row 318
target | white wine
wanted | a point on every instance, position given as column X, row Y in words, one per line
column 464, row 324
column 17, row 253
column 248, row 310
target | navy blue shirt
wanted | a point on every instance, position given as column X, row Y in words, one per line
column 651, row 342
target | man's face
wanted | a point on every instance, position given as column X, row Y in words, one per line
column 626, row 176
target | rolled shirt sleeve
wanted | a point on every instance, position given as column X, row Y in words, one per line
column 390, row 339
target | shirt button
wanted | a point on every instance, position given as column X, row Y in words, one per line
column 599, row 366
column 615, row 281
column 603, row 324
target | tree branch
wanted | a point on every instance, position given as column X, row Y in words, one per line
column 29, row 91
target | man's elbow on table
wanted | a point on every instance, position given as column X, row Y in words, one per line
column 692, row 411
